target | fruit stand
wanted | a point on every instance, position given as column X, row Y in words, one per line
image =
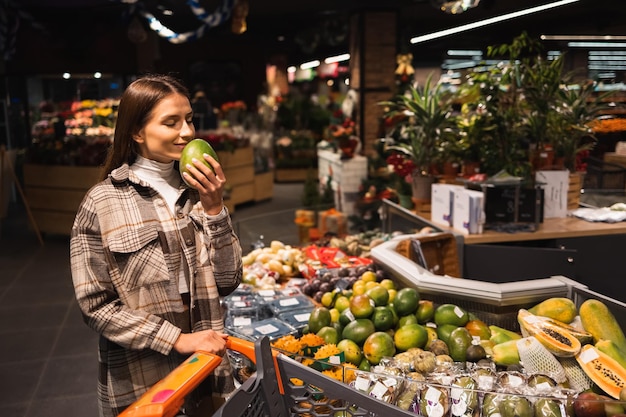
column 372, row 328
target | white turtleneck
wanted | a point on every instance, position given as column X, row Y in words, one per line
column 161, row 176
column 165, row 180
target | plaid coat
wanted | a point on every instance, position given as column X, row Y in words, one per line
column 126, row 250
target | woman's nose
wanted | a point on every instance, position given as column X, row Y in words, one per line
column 187, row 130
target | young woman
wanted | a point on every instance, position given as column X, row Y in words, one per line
column 151, row 256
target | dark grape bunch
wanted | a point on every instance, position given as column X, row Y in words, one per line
column 326, row 280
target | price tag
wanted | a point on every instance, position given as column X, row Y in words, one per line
column 267, row 329
column 289, row 302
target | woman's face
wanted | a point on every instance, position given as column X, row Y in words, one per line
column 167, row 131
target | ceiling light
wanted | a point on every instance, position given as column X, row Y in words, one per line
column 67, row 75
column 459, row 65
column 464, row 52
column 310, row 64
column 496, row 19
column 596, row 44
column 582, row 37
column 337, row 58
column 616, row 53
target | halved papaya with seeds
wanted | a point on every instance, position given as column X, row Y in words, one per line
column 559, row 341
column 603, row 370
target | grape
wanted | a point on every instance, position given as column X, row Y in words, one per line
column 315, row 284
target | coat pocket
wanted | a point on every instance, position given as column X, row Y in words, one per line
column 139, row 257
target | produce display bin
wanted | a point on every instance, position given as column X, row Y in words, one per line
column 282, row 386
column 273, row 390
column 495, row 303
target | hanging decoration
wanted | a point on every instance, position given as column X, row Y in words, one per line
column 240, row 13
column 219, row 16
column 454, row 6
column 404, row 70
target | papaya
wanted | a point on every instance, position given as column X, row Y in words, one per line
column 577, row 379
column 603, row 370
column 558, row 308
column 610, row 348
column 537, row 359
column 583, row 336
column 598, row 320
column 556, row 339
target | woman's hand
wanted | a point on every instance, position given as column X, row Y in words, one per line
column 209, row 184
column 206, row 340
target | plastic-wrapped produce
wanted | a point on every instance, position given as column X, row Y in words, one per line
column 464, row 397
column 434, row 401
column 408, row 399
column 384, row 387
column 511, row 381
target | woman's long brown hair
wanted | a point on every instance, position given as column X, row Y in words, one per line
column 135, row 109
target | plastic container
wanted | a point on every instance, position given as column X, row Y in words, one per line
column 297, row 318
column 283, row 304
column 272, row 328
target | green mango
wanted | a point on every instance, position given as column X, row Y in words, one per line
column 516, row 406
column 506, row 354
column 500, row 335
column 460, row 340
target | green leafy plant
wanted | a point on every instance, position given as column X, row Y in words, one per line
column 422, row 120
column 579, row 105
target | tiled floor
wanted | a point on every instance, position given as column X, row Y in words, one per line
column 47, row 354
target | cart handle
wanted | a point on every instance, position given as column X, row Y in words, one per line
column 165, row 398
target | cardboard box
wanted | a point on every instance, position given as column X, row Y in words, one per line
column 555, row 186
column 468, row 215
column 345, row 177
column 332, row 222
column 442, row 203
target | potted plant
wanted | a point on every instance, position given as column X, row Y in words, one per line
column 421, row 121
column 579, row 106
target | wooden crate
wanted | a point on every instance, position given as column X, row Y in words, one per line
column 239, row 157
column 263, row 186
column 573, row 190
column 54, row 193
column 293, row 174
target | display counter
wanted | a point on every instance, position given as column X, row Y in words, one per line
column 589, row 252
column 557, row 228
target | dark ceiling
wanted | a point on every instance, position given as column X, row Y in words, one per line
column 314, row 28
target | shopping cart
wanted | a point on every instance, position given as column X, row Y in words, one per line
column 281, row 386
